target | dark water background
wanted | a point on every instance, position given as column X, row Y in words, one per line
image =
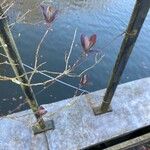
column 106, row 18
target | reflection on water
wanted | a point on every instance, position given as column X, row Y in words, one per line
column 106, row 18
column 22, row 6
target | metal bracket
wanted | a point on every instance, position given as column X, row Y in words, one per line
column 134, row 32
column 97, row 110
column 49, row 125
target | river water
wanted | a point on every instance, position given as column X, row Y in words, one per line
column 106, row 18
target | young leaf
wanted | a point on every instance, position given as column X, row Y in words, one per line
column 88, row 42
column 41, row 111
column 49, row 13
column 83, row 80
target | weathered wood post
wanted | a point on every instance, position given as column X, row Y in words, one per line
column 138, row 16
column 10, row 49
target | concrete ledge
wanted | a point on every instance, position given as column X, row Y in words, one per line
column 76, row 126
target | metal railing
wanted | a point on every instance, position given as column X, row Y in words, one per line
column 137, row 19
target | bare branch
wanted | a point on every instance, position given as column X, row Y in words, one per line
column 21, row 18
column 3, row 15
column 37, row 55
column 71, row 48
column 57, row 80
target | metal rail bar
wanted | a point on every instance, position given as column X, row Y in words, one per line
column 11, row 51
column 137, row 19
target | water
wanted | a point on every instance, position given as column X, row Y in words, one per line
column 106, row 18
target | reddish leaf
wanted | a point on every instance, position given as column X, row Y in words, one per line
column 87, row 43
column 49, row 13
column 41, row 111
column 83, row 80
column 92, row 40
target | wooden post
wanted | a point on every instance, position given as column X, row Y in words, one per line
column 137, row 19
column 10, row 49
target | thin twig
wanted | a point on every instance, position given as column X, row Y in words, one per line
column 110, row 42
column 6, row 10
column 71, row 48
column 57, row 80
column 37, row 55
column 19, row 19
column 23, row 16
column 96, row 62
